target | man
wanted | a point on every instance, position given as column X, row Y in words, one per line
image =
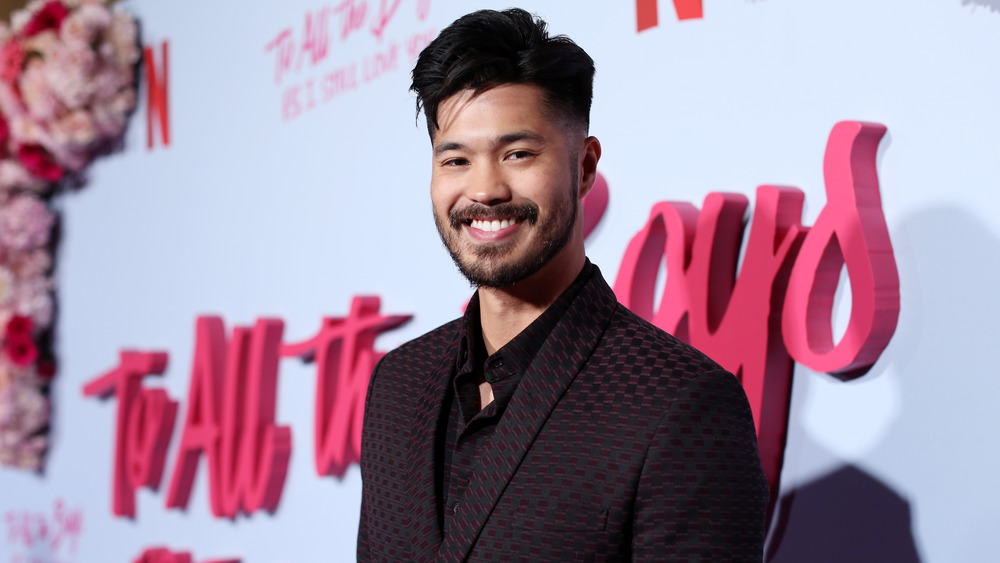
column 549, row 423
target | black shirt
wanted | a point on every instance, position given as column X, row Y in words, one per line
column 469, row 428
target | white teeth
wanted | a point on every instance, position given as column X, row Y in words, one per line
column 492, row 226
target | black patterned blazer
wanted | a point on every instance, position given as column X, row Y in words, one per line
column 621, row 443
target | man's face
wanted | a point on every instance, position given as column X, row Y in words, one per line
column 504, row 183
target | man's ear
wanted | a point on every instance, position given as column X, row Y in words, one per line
column 590, row 153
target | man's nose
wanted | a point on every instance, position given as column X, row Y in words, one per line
column 488, row 185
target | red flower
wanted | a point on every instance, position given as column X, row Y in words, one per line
column 39, row 163
column 4, row 132
column 21, row 350
column 11, row 61
column 50, row 16
column 19, row 325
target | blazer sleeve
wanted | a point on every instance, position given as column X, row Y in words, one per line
column 364, row 548
column 702, row 495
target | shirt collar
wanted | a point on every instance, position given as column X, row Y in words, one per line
column 515, row 356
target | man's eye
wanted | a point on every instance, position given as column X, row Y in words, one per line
column 455, row 162
column 519, row 155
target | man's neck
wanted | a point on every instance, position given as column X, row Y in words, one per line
column 505, row 312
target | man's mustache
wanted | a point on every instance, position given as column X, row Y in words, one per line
column 520, row 212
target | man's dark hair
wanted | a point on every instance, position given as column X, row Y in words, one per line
column 489, row 48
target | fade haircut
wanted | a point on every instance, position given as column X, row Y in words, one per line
column 488, row 48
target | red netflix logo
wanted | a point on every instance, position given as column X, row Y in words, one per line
column 230, row 416
column 647, row 12
column 157, row 98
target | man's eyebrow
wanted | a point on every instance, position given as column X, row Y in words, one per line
column 500, row 141
column 519, row 136
column 448, row 146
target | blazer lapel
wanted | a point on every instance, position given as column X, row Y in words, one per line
column 422, row 475
column 559, row 360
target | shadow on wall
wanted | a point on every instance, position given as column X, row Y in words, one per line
column 991, row 5
column 847, row 515
column 935, row 452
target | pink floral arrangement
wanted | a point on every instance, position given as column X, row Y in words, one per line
column 67, row 87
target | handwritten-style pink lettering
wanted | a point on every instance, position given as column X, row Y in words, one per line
column 778, row 307
column 142, row 431
column 231, row 410
column 344, row 353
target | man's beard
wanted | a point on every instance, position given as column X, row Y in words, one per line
column 484, row 265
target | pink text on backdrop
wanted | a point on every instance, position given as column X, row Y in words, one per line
column 230, row 418
column 306, row 51
column 647, row 12
column 779, row 307
column 144, row 424
column 312, row 44
column 344, row 353
column 164, row 555
column 157, row 100
column 41, row 536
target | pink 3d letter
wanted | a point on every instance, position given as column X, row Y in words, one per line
column 850, row 230
column 231, row 409
column 344, row 352
column 142, row 431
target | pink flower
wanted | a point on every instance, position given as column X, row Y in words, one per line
column 25, row 223
column 109, row 81
column 42, row 44
column 69, row 70
column 110, row 119
column 7, row 282
column 33, row 297
column 38, row 96
column 39, row 163
column 31, row 264
column 51, row 16
column 23, row 412
column 122, row 35
column 77, row 128
column 11, row 60
column 13, row 175
column 85, row 24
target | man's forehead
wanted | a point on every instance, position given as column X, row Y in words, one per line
column 525, row 110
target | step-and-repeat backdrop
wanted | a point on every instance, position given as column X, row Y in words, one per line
column 226, row 279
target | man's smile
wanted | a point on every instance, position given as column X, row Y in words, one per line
column 486, row 230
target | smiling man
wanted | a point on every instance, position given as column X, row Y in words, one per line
column 549, row 422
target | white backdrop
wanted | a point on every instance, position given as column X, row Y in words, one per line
column 249, row 213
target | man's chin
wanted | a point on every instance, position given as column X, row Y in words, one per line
column 497, row 274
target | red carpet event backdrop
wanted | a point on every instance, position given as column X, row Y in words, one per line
column 804, row 191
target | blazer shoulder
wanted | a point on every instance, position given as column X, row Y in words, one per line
column 626, row 324
column 431, row 347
